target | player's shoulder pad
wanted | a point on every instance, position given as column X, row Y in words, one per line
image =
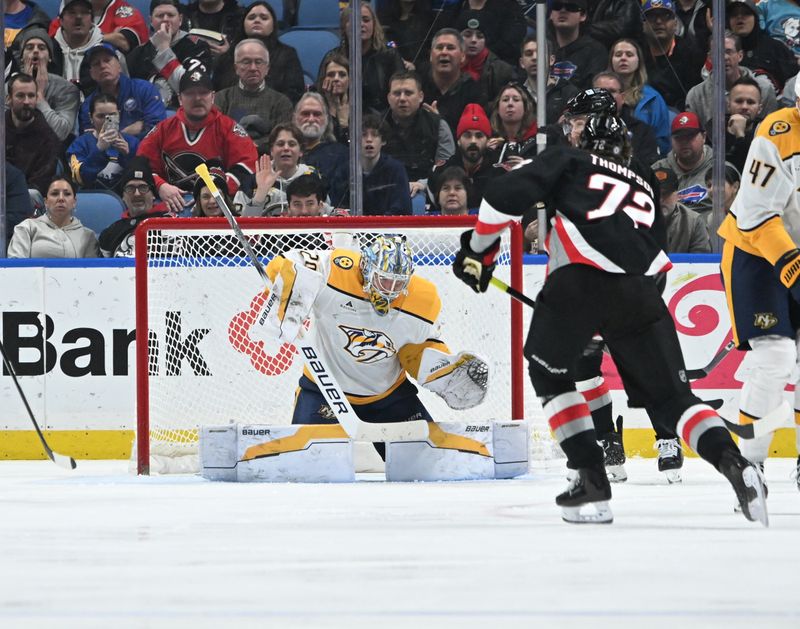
column 344, row 274
column 782, row 128
column 422, row 300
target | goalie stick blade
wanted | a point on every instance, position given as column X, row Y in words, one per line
column 764, row 426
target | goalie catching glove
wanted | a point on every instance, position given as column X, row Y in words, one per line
column 472, row 268
column 294, row 290
column 460, row 380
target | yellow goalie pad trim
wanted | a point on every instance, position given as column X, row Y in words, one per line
column 445, row 371
column 301, row 440
column 450, row 441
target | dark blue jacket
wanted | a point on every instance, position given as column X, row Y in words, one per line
column 137, row 100
column 332, row 160
column 386, row 189
column 86, row 161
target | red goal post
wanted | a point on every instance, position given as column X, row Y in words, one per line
column 196, row 295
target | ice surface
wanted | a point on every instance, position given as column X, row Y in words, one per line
column 98, row 547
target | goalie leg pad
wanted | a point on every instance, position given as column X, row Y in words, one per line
column 459, row 451
column 461, row 380
column 310, row 453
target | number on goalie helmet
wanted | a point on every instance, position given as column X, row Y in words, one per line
column 386, row 267
column 607, row 136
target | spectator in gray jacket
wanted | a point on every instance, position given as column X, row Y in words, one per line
column 57, row 98
column 700, row 99
column 687, row 231
column 56, row 234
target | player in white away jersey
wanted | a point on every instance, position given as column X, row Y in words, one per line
column 375, row 324
column 761, row 271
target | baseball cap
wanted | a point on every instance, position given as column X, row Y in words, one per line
column 686, row 122
column 69, row 3
column 667, row 180
column 195, row 78
column 104, row 47
column 652, row 5
column 473, row 118
column 747, row 3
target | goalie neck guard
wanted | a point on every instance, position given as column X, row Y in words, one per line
column 386, row 267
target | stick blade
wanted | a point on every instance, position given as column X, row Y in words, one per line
column 772, row 421
column 62, row 460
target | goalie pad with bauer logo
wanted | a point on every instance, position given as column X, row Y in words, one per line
column 460, row 380
column 295, row 289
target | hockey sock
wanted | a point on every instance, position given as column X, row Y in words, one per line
column 702, row 429
column 598, row 398
column 571, row 423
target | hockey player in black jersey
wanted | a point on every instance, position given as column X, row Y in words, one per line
column 603, row 246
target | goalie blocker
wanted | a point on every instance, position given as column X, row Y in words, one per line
column 324, row 453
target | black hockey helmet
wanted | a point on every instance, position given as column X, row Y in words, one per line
column 591, row 101
column 607, row 136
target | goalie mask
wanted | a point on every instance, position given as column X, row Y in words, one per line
column 386, row 266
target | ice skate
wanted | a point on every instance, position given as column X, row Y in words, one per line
column 585, row 501
column 748, row 483
column 670, row 458
column 737, row 508
column 614, row 452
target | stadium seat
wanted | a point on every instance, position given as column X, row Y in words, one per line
column 97, row 209
column 418, row 204
column 49, row 6
column 311, row 46
column 318, row 14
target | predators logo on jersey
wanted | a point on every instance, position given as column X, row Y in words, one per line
column 765, row 320
column 779, row 127
column 368, row 346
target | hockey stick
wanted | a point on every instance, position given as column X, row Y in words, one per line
column 696, row 374
column 764, row 426
column 497, row 283
column 355, row 427
column 67, row 462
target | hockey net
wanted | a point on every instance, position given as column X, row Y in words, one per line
column 197, row 296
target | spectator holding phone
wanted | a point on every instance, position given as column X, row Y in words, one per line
column 98, row 157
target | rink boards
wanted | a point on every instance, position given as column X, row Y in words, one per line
column 70, row 327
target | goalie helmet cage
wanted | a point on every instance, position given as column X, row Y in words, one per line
column 197, row 295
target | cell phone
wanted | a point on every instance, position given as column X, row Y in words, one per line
column 111, row 123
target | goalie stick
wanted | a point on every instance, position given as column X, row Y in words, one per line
column 62, row 460
column 355, row 427
column 764, row 426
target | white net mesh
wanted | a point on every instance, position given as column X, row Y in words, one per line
column 202, row 296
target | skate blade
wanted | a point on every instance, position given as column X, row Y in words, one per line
column 616, row 473
column 594, row 513
column 756, row 509
column 673, row 476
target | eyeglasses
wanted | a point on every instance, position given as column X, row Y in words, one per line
column 259, row 63
column 140, row 189
column 566, row 6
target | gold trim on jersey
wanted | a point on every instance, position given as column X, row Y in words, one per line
column 777, row 127
column 769, row 240
column 726, row 267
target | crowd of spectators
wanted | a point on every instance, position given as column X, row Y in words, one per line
column 101, row 97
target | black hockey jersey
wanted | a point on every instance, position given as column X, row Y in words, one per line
column 600, row 213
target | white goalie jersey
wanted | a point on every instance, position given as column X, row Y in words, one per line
column 369, row 354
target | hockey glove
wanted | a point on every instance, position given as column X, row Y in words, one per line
column 788, row 270
column 475, row 269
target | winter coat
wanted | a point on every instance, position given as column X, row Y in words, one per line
column 687, row 231
column 611, row 20
column 692, row 190
column 652, row 110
